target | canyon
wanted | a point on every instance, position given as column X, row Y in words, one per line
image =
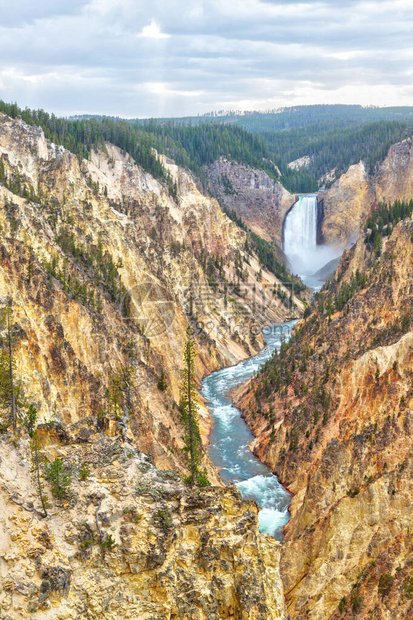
column 105, row 269
column 106, row 266
column 332, row 418
column 160, row 261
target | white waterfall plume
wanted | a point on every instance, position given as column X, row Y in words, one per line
column 300, row 238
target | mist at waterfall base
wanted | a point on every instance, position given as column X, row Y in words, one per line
column 300, row 241
column 230, row 437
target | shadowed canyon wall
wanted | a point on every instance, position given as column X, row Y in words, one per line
column 258, row 200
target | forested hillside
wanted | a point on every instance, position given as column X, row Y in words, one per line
column 190, row 146
column 297, row 116
column 333, row 136
column 332, row 146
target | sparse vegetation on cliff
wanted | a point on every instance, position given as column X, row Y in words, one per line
column 266, row 254
column 10, row 387
column 384, row 218
column 73, row 310
column 73, row 556
column 332, row 412
column 189, row 408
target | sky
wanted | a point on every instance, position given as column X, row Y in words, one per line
column 135, row 58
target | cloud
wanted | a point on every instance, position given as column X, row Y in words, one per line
column 134, row 58
column 20, row 12
column 152, row 31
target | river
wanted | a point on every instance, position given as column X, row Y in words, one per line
column 230, row 437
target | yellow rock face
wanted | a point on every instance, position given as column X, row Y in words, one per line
column 175, row 554
column 105, row 271
column 349, row 200
column 340, row 437
column 346, row 205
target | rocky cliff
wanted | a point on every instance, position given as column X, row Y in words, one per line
column 349, row 200
column 106, row 270
column 258, row 200
column 333, row 417
column 345, row 206
column 128, row 541
column 105, row 267
column 394, row 179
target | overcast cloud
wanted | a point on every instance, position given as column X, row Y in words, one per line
column 170, row 58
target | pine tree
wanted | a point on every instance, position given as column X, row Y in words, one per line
column 162, row 382
column 8, row 387
column 377, row 242
column 30, row 423
column 59, row 479
column 189, row 416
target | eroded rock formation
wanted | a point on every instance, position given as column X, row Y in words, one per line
column 129, row 541
column 345, row 206
column 333, row 418
column 258, row 200
column 106, row 270
column 350, row 199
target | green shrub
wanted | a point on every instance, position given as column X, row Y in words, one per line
column 59, row 479
column 355, row 601
column 163, row 518
column 107, row 544
column 86, row 543
column 84, row 471
column 385, row 584
column 162, row 382
column 408, row 587
column 202, row 480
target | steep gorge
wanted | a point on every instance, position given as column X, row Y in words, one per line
column 332, row 417
column 105, row 270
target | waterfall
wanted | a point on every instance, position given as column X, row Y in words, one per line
column 300, row 238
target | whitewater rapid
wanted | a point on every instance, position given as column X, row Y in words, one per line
column 230, row 437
